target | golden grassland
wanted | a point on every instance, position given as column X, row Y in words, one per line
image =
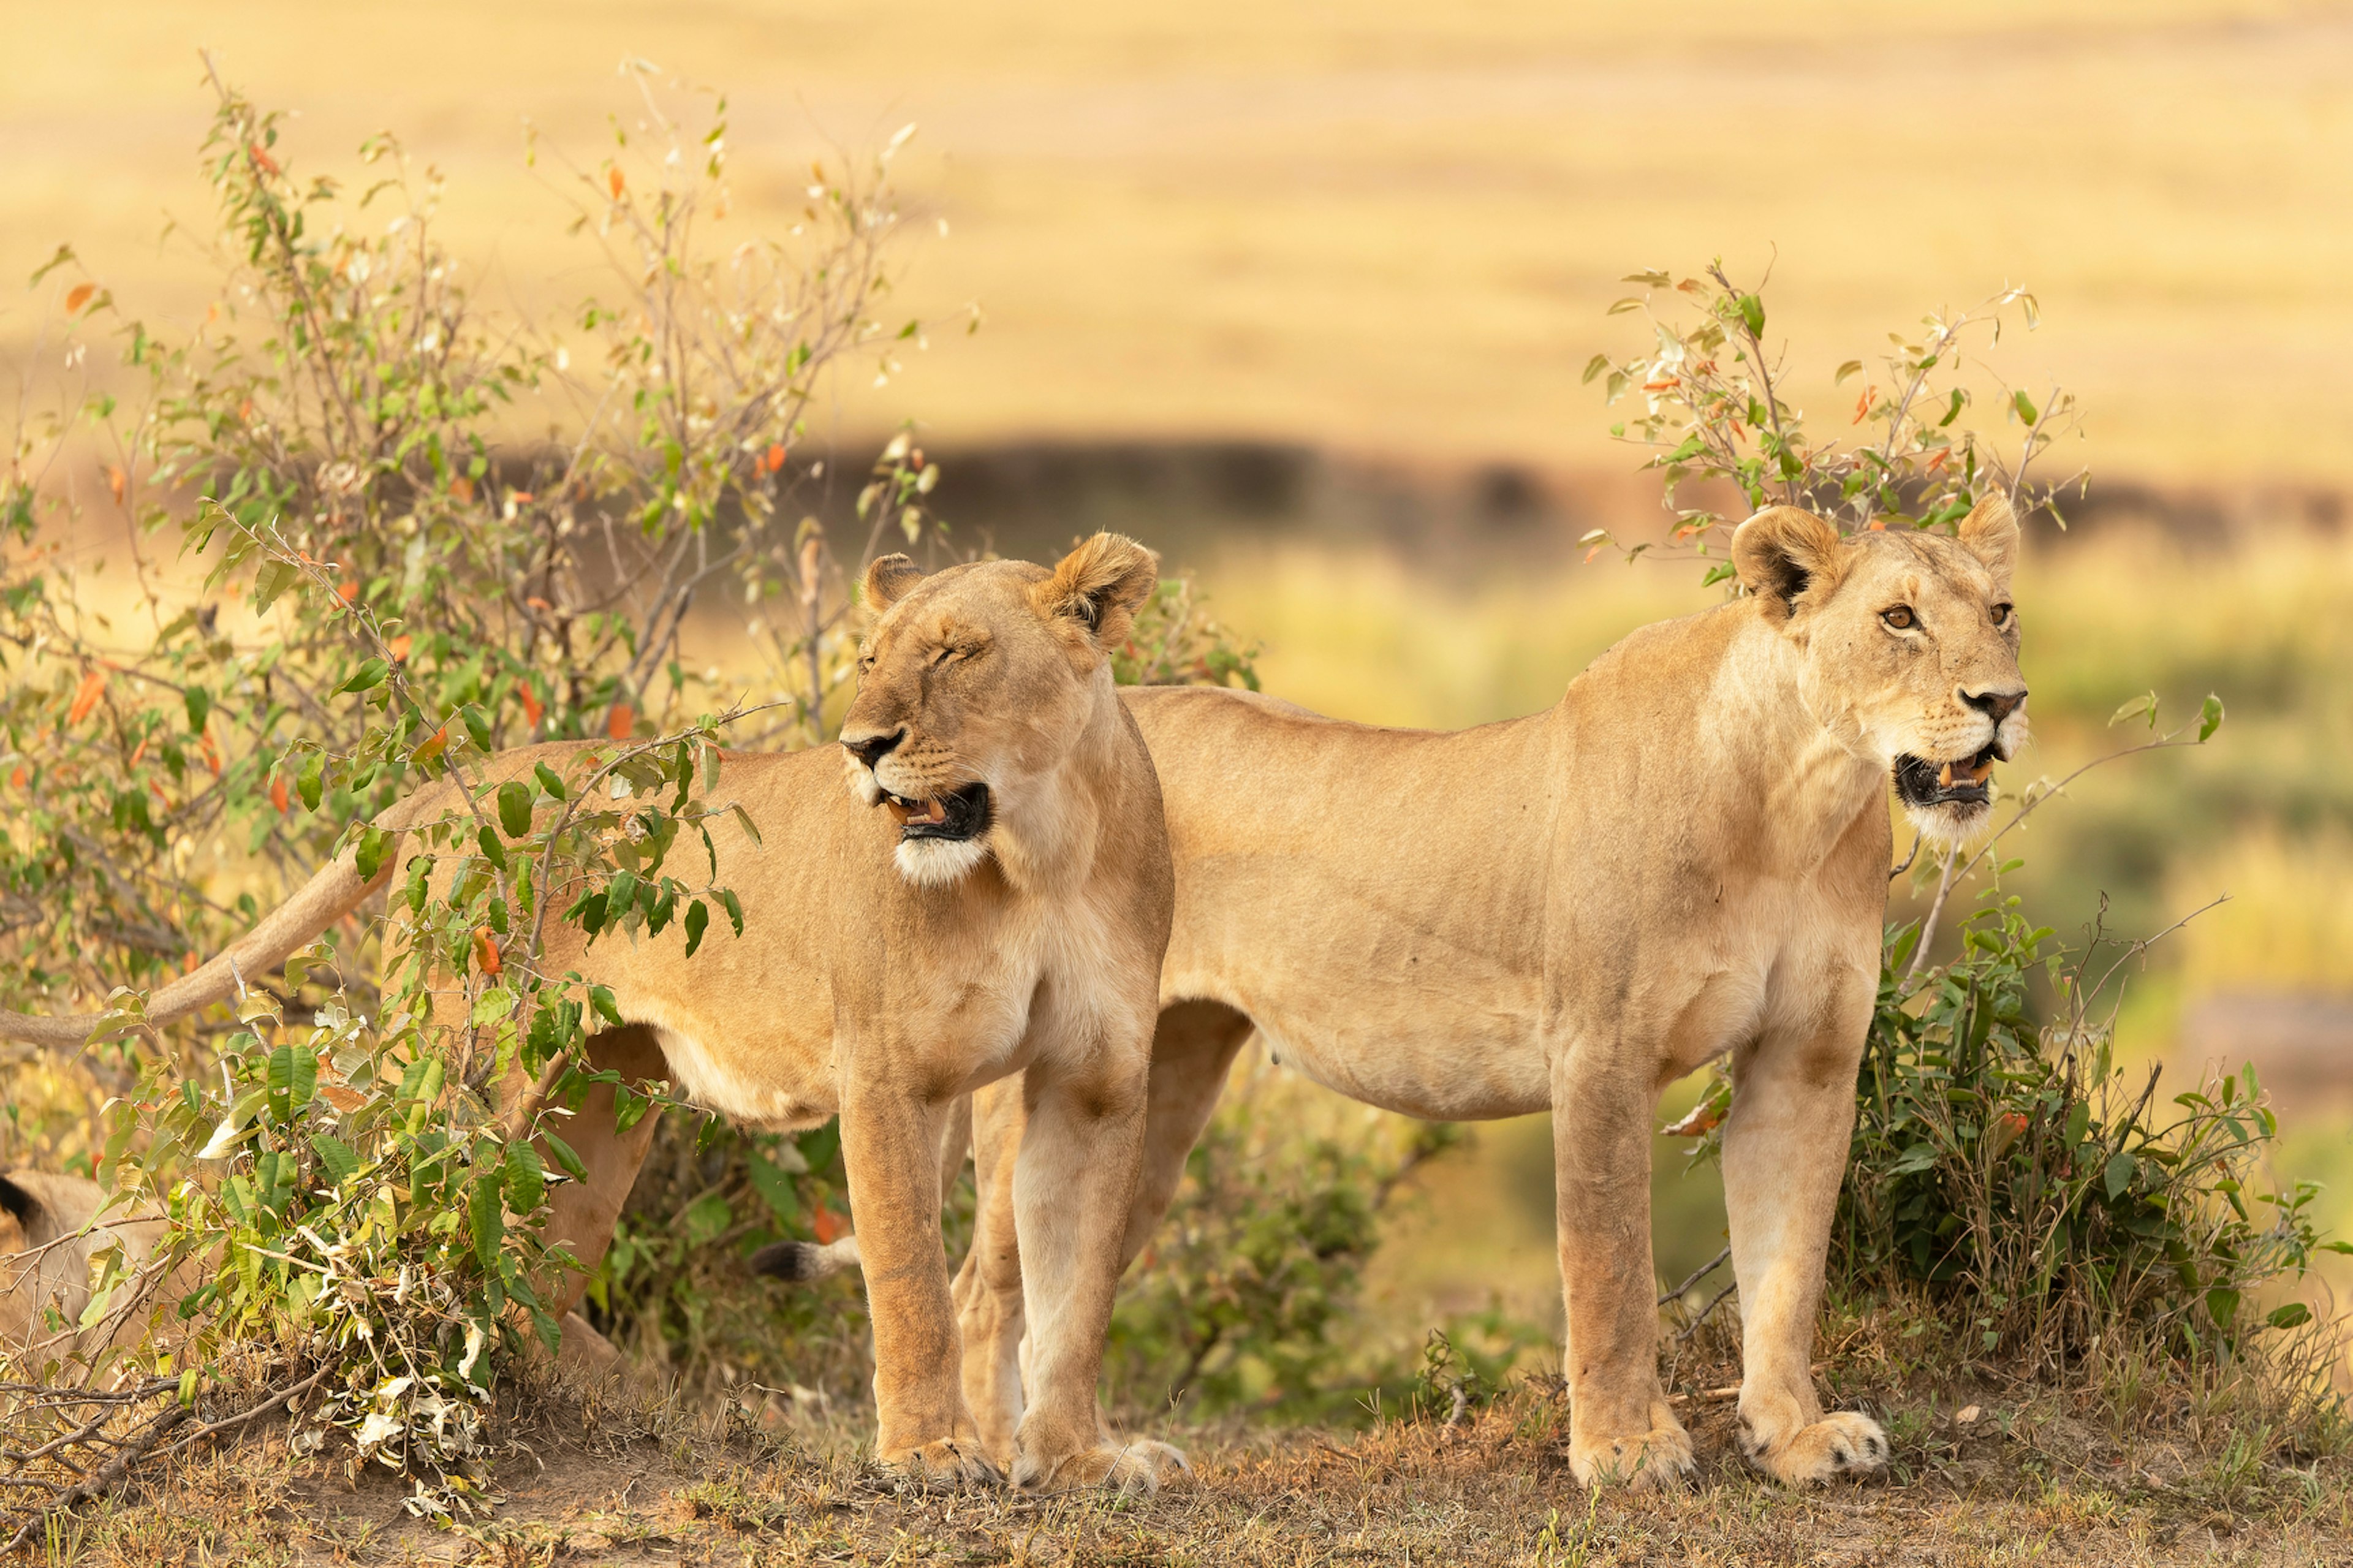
column 1392, row 228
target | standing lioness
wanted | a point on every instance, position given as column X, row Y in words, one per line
column 1686, row 857
column 988, row 895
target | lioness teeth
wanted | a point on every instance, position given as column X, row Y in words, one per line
column 933, row 811
column 1944, row 779
column 1981, row 773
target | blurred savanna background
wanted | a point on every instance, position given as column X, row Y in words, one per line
column 1304, row 295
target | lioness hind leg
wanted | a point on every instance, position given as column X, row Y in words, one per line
column 1785, row 1147
column 1193, row 1048
column 582, row 1214
column 1622, row 1429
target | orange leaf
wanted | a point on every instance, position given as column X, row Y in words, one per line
column 139, row 753
column 278, row 794
column 530, row 708
column 1878, row 525
column 87, row 698
column 18, row 777
column 486, row 951
column 348, row 592
column 776, row 455
column 115, row 481
column 212, row 753
column 80, row 296
column 1591, row 553
column 1703, row 1118
column 398, row 648
column 188, row 964
column 620, row 721
column 462, row 487
column 432, row 746
column 268, row 164
column 823, row 1221
column 613, row 178
column 520, row 497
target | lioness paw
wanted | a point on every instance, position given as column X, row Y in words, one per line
column 1135, row 1468
column 953, row 1461
column 1849, row 1445
column 1658, row 1457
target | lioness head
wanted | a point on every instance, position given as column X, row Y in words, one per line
column 1910, row 644
column 976, row 684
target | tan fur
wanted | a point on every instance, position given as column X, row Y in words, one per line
column 882, row 992
column 51, row 1234
column 1687, row 858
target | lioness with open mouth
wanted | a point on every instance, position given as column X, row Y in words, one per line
column 988, row 896
column 1686, row 859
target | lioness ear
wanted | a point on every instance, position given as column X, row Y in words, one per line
column 1990, row 534
column 888, row 579
column 1100, row 585
column 1781, row 551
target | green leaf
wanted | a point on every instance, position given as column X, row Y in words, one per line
column 549, row 780
column 515, row 807
column 274, row 578
column 1752, row 315
column 698, row 918
column 374, row 843
column 734, row 909
column 487, row 839
column 707, row 1218
column 493, row 1004
column 293, row 1078
column 1852, row 367
column 486, row 1220
column 339, row 1158
column 2295, row 1315
column 1599, row 364
column 2223, row 1305
column 2209, row 718
column 564, row 1156
column 526, row 1179
column 199, row 704
column 369, row 676
column 2025, row 406
column 2146, row 703
column 775, row 1187
column 2122, row 1168
column 601, row 998
column 478, row 726
column 310, row 783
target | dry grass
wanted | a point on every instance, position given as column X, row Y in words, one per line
column 1391, row 228
column 2031, row 1475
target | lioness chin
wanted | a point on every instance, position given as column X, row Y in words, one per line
column 1686, row 858
column 988, row 898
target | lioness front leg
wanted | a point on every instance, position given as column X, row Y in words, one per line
column 1073, row 1181
column 1785, row 1148
column 989, row 1309
column 890, row 1147
column 1620, row 1427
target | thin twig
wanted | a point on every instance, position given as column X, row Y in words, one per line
column 1702, row 1272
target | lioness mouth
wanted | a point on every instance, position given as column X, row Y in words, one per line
column 1963, row 781
column 962, row 814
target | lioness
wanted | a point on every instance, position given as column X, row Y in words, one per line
column 1686, row 857
column 989, row 896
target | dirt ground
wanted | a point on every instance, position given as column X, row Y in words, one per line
column 591, row 1480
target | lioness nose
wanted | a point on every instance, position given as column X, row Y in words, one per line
column 872, row 749
column 1995, row 705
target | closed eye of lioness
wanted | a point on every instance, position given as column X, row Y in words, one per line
column 987, row 899
column 1686, row 858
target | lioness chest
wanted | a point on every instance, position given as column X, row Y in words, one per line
column 842, row 967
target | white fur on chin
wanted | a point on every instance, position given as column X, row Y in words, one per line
column 939, row 862
column 864, row 788
column 1946, row 829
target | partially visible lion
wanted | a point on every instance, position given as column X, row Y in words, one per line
column 1686, row 858
column 48, row 1246
column 988, row 898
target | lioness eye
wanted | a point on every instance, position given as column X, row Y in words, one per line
column 1899, row 618
column 2001, row 615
